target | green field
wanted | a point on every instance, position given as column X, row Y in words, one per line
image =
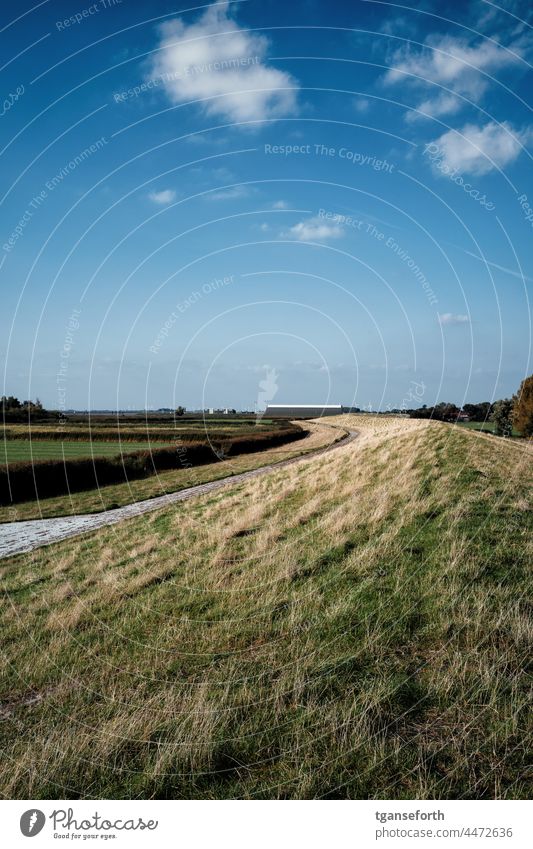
column 118, row 495
column 354, row 626
column 24, row 449
column 107, row 437
column 483, row 427
column 488, row 427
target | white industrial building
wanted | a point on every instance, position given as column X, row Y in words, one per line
column 302, row 411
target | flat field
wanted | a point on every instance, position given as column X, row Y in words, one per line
column 354, row 626
column 118, row 495
column 117, row 454
column 24, row 449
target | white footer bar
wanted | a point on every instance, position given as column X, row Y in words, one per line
column 267, row 824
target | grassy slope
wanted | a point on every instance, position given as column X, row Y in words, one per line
column 117, row 495
column 354, row 626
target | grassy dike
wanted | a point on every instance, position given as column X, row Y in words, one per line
column 355, row 626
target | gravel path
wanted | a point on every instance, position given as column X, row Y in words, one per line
column 17, row 537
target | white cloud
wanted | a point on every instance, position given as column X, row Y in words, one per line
column 314, row 230
column 215, row 61
column 222, row 174
column 395, row 25
column 163, row 197
column 361, row 104
column 454, row 63
column 477, row 150
column 452, row 318
column 232, row 193
column 443, row 104
column 280, row 204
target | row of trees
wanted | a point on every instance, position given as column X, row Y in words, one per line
column 443, row 412
column 446, row 412
column 14, row 410
column 509, row 414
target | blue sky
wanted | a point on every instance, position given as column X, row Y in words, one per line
column 334, row 198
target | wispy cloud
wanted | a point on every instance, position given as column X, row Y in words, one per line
column 398, row 24
column 434, row 107
column 361, row 105
column 460, row 64
column 220, row 64
column 232, row 193
column 314, row 230
column 512, row 272
column 447, row 318
column 163, row 197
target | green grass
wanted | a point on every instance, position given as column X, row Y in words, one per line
column 21, row 449
column 483, row 427
column 353, row 627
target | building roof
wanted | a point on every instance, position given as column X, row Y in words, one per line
column 304, row 406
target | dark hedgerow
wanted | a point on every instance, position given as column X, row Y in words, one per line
column 108, row 434
column 23, row 481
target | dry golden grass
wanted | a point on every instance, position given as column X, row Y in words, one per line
column 355, row 625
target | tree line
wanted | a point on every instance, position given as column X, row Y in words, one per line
column 508, row 414
column 14, row 410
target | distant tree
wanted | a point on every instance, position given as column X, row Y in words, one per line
column 523, row 408
column 15, row 411
column 478, row 412
column 423, row 412
column 11, row 403
column 502, row 417
column 180, row 411
column 445, row 412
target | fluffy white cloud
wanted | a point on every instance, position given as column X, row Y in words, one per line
column 452, row 318
column 163, row 197
column 216, row 62
column 454, row 63
column 314, row 230
column 477, row 150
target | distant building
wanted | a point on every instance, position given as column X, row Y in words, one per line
column 302, row 411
